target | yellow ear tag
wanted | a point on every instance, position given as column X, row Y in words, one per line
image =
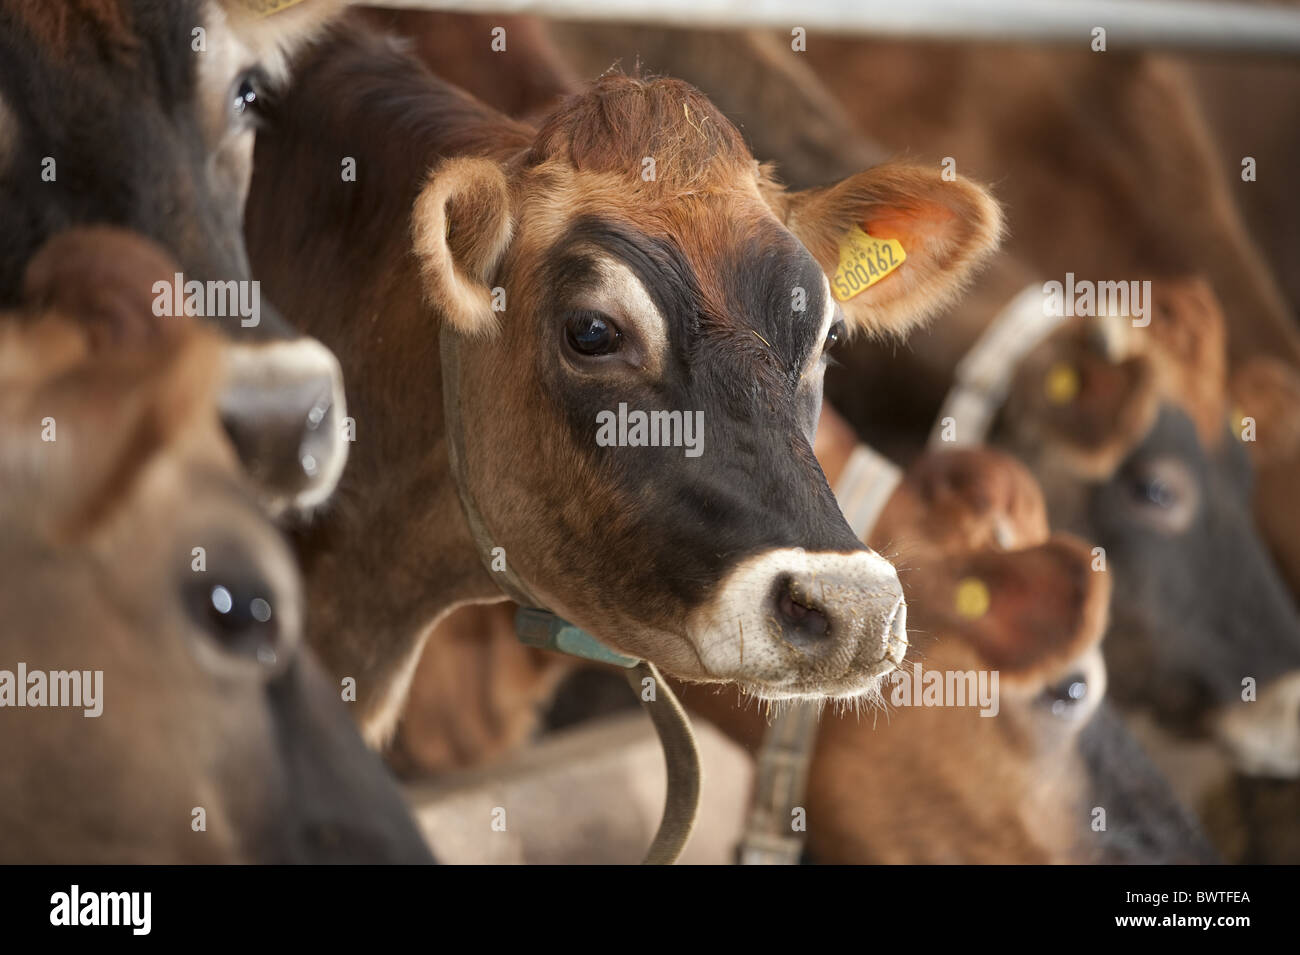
column 1235, row 418
column 264, row 8
column 972, row 598
column 864, row 261
column 1062, row 383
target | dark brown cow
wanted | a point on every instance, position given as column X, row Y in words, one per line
column 141, row 114
column 640, row 258
column 156, row 704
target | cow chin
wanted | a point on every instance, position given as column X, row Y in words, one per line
column 794, row 624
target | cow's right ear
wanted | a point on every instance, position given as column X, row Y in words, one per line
column 1267, row 391
column 1032, row 613
column 897, row 242
column 461, row 225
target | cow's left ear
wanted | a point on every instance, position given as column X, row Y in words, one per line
column 461, row 226
column 898, row 242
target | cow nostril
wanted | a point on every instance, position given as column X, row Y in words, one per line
column 800, row 619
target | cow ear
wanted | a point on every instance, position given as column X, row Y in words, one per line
column 1031, row 613
column 1267, row 392
column 1077, row 403
column 106, row 280
column 461, row 226
column 897, row 242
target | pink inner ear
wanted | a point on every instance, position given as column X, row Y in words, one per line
column 910, row 226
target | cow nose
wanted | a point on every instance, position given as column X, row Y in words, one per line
column 818, row 607
column 792, row 623
column 283, row 406
column 1263, row 737
column 804, row 622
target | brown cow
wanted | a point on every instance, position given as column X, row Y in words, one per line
column 1128, row 429
column 141, row 114
column 156, row 705
column 641, row 259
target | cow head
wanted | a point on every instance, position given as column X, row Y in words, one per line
column 132, row 546
column 991, row 591
column 142, row 115
column 1128, row 429
column 635, row 264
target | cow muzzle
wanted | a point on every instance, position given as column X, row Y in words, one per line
column 284, row 408
column 792, row 624
column 1263, row 736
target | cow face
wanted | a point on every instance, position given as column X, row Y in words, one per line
column 142, row 115
column 1014, row 778
column 1135, row 451
column 133, row 547
column 645, row 270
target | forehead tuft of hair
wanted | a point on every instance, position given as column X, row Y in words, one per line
column 619, row 121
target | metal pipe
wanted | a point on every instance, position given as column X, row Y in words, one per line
column 1129, row 24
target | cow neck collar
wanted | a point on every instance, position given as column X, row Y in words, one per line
column 982, row 379
column 863, row 488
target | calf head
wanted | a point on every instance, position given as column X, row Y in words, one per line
column 1128, row 429
column 133, row 547
column 141, row 115
column 1016, row 778
column 635, row 268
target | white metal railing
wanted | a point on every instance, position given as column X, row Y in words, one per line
column 1129, row 24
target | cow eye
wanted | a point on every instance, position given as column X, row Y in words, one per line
column 1155, row 492
column 1162, row 494
column 239, row 616
column 836, row 334
column 249, row 96
column 592, row 333
column 1065, row 696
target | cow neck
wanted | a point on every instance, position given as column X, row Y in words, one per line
column 510, row 583
column 540, row 627
column 863, row 488
column 982, row 379
column 535, row 624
